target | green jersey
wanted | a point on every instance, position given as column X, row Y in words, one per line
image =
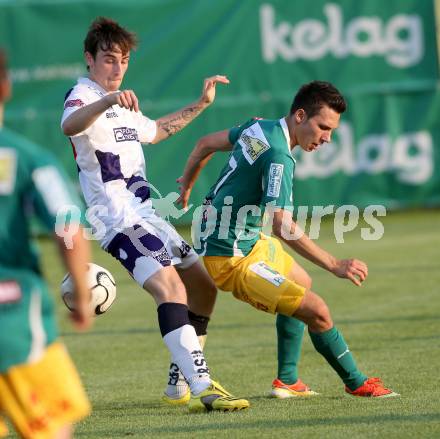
column 258, row 174
column 31, row 184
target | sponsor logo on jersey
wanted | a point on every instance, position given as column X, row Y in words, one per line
column 254, row 147
column 253, row 143
column 111, row 114
column 73, row 103
column 10, row 291
column 124, row 134
column 7, row 170
column 275, row 178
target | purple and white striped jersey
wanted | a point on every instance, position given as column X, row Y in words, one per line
column 111, row 162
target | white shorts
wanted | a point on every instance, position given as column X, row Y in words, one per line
column 145, row 248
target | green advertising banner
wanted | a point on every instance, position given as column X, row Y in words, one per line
column 387, row 154
column 381, row 54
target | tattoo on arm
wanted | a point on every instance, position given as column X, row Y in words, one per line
column 175, row 122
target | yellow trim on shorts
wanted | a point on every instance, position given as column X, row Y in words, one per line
column 260, row 278
column 41, row 397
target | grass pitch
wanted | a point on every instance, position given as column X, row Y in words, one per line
column 391, row 324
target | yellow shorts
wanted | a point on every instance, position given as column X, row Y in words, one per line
column 260, row 278
column 42, row 397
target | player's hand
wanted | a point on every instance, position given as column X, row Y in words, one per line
column 352, row 269
column 184, row 191
column 125, row 99
column 81, row 317
column 208, row 91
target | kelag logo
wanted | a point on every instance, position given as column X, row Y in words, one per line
column 409, row 157
column 399, row 40
column 124, row 134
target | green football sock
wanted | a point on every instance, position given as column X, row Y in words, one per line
column 331, row 345
column 290, row 332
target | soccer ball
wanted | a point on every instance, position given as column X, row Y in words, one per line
column 102, row 286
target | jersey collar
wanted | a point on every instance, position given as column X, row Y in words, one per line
column 287, row 136
column 285, row 131
column 92, row 84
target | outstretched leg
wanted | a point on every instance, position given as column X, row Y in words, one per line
column 330, row 343
column 180, row 337
column 202, row 294
column 290, row 334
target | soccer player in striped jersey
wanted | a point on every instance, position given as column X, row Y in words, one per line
column 106, row 129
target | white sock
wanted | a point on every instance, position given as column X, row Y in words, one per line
column 177, row 385
column 187, row 354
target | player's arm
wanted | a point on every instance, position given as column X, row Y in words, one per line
column 287, row 230
column 172, row 123
column 197, row 160
column 83, row 117
column 50, row 195
column 76, row 258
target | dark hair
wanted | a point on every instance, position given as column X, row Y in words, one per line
column 104, row 33
column 313, row 96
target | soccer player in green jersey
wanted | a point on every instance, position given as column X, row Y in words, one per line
column 40, row 390
column 257, row 180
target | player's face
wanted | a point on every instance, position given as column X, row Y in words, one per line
column 314, row 131
column 108, row 67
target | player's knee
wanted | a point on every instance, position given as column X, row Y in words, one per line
column 314, row 312
column 211, row 289
column 321, row 319
column 166, row 286
column 174, row 291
